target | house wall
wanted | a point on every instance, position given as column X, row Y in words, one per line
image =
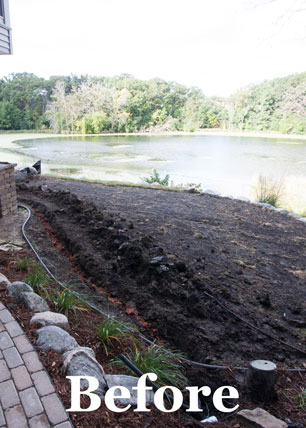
column 8, row 196
column 5, row 31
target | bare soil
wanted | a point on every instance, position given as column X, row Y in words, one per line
column 82, row 328
column 167, row 256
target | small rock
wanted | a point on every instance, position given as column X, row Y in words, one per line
column 128, row 382
column 9, row 247
column 181, row 267
column 50, row 318
column 17, row 288
column 156, row 260
column 81, row 362
column 56, row 339
column 259, row 418
column 18, row 243
column 34, row 302
column 162, row 269
column 198, row 235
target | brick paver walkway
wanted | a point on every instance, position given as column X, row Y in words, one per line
column 27, row 395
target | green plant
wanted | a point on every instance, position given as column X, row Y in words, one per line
column 269, row 191
column 297, row 396
column 37, row 279
column 68, row 300
column 111, row 330
column 156, row 178
column 23, row 264
column 154, row 360
column 301, row 397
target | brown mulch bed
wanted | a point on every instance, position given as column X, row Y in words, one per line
column 82, row 328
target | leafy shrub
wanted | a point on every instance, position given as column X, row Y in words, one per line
column 156, row 178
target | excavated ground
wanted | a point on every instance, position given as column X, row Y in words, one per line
column 162, row 254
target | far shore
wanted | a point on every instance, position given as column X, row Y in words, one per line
column 211, row 131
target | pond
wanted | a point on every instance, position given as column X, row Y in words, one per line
column 230, row 165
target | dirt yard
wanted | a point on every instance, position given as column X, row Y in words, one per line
column 168, row 256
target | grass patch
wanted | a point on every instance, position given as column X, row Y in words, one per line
column 269, row 191
column 154, row 360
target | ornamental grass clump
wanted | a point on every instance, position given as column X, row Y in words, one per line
column 165, row 364
column 110, row 331
column 37, row 278
column 269, row 191
column 68, row 300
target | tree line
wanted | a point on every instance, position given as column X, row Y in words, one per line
column 92, row 105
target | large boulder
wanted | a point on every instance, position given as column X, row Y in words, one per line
column 50, row 318
column 34, row 302
column 55, row 339
column 15, row 289
column 81, row 362
column 128, row 382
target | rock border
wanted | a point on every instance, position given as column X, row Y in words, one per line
column 270, row 207
column 53, row 335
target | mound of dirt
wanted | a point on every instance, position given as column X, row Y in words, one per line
column 191, row 266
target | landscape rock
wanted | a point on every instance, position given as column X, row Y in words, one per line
column 81, row 362
column 9, row 247
column 34, row 302
column 50, row 318
column 294, row 215
column 212, row 192
column 128, row 382
column 263, row 204
column 259, row 418
column 4, row 279
column 56, row 339
column 15, row 289
column 243, row 199
column 156, row 260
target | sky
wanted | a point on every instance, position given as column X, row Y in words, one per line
column 216, row 45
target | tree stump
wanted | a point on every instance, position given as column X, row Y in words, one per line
column 260, row 381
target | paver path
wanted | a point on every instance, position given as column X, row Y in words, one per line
column 27, row 395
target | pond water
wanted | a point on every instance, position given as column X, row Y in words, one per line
column 230, row 165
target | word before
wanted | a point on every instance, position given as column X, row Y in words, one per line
column 112, row 394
